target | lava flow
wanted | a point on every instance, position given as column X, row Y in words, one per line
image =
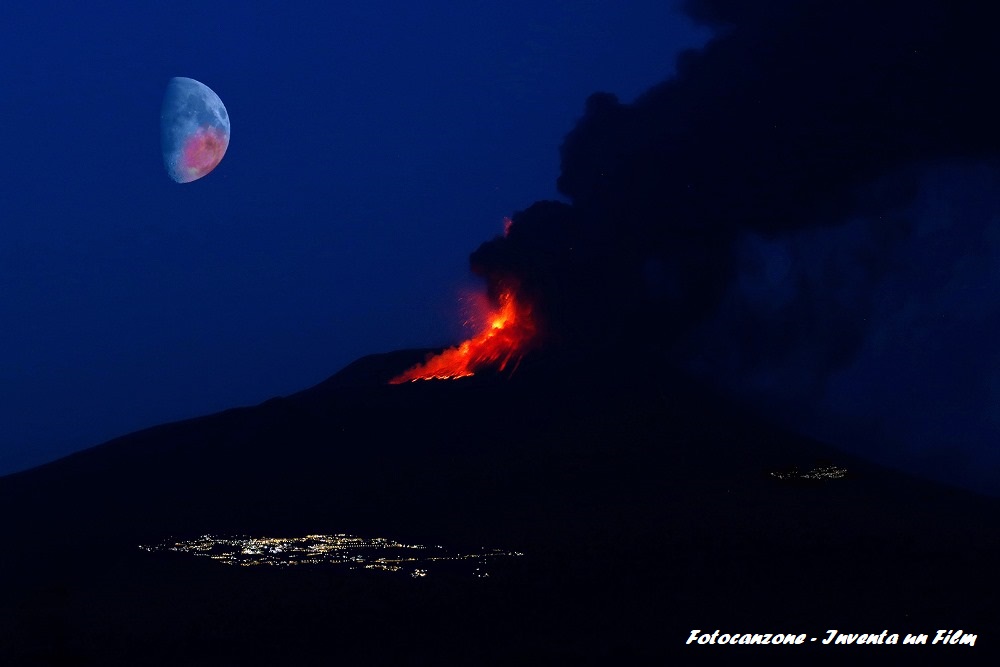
column 508, row 331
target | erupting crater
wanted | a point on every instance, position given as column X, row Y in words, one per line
column 503, row 339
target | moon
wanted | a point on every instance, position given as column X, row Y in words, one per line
column 194, row 129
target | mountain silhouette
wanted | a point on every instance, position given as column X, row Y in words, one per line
column 645, row 505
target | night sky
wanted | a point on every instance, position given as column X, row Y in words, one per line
column 795, row 201
column 373, row 147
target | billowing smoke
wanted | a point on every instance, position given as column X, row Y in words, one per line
column 802, row 215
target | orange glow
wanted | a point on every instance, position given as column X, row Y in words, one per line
column 502, row 339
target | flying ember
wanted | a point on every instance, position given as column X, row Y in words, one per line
column 502, row 339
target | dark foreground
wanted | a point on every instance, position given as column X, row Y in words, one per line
column 644, row 507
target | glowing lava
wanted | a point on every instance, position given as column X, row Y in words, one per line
column 503, row 339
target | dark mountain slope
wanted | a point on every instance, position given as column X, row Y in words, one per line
column 643, row 504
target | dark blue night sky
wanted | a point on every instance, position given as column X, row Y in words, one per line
column 373, row 147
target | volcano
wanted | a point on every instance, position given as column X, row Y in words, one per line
column 644, row 506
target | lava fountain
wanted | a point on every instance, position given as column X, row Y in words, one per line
column 502, row 340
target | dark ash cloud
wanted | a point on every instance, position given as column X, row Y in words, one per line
column 748, row 214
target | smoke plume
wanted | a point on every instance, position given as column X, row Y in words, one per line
column 776, row 218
